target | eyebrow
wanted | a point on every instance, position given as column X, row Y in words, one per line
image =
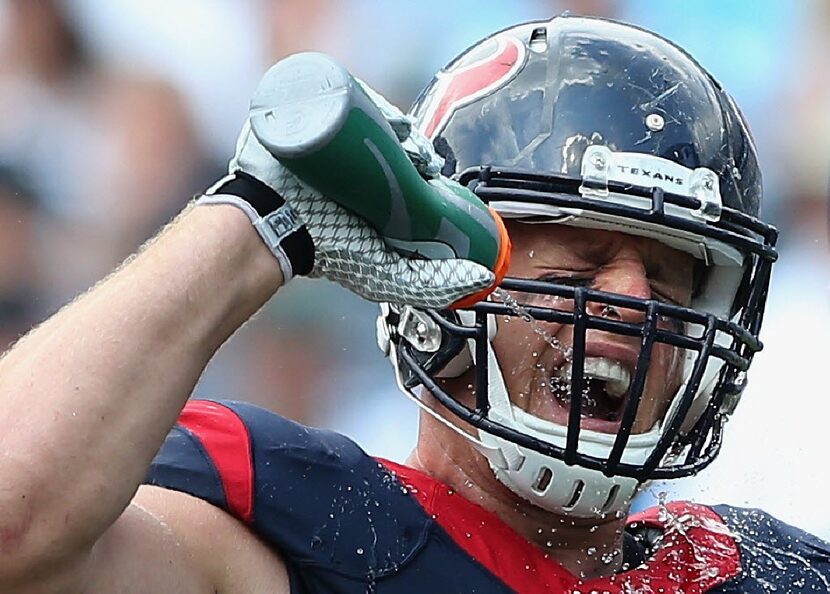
column 659, row 269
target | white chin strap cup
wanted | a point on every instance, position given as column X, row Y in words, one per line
column 550, row 483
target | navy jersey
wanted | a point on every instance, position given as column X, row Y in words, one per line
column 347, row 523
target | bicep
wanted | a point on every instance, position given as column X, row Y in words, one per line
column 171, row 542
column 141, row 553
column 137, row 553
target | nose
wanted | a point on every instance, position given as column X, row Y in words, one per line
column 625, row 275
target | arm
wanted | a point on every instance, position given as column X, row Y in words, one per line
column 88, row 397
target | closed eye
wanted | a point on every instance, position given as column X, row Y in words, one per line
column 588, row 281
column 571, row 281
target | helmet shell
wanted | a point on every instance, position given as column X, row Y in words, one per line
column 522, row 117
column 534, row 96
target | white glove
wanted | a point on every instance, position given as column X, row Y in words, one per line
column 345, row 248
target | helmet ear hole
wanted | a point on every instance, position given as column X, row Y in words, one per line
column 543, row 480
column 579, row 486
column 612, row 496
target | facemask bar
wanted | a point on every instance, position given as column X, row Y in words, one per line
column 698, row 447
column 650, row 333
column 744, row 232
column 755, row 239
column 732, row 381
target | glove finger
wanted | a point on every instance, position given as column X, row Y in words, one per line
column 440, row 283
column 430, row 284
column 254, row 159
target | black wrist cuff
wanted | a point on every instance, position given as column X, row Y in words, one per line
column 276, row 219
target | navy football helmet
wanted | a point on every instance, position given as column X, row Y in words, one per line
column 595, row 124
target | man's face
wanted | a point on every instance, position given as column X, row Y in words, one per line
column 536, row 367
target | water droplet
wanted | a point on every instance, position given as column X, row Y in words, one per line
column 526, row 316
column 359, row 551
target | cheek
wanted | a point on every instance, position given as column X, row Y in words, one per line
column 514, row 348
column 666, row 363
column 663, row 380
column 670, row 360
column 522, row 349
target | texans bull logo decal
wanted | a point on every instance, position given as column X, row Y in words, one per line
column 464, row 83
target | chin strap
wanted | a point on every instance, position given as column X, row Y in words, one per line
column 544, row 481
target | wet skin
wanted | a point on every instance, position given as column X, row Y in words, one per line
column 603, row 260
column 608, row 261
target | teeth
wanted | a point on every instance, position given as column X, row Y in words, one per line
column 616, row 377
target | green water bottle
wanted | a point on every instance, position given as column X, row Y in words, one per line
column 312, row 115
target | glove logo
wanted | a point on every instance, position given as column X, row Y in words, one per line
column 464, row 82
column 283, row 221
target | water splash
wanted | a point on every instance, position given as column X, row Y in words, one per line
column 526, row 316
column 761, row 547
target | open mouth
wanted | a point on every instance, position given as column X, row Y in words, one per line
column 605, row 389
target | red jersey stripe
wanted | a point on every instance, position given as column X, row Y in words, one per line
column 699, row 552
column 226, row 440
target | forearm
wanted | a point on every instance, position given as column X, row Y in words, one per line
column 88, row 397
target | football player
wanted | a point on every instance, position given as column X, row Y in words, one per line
column 612, row 354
